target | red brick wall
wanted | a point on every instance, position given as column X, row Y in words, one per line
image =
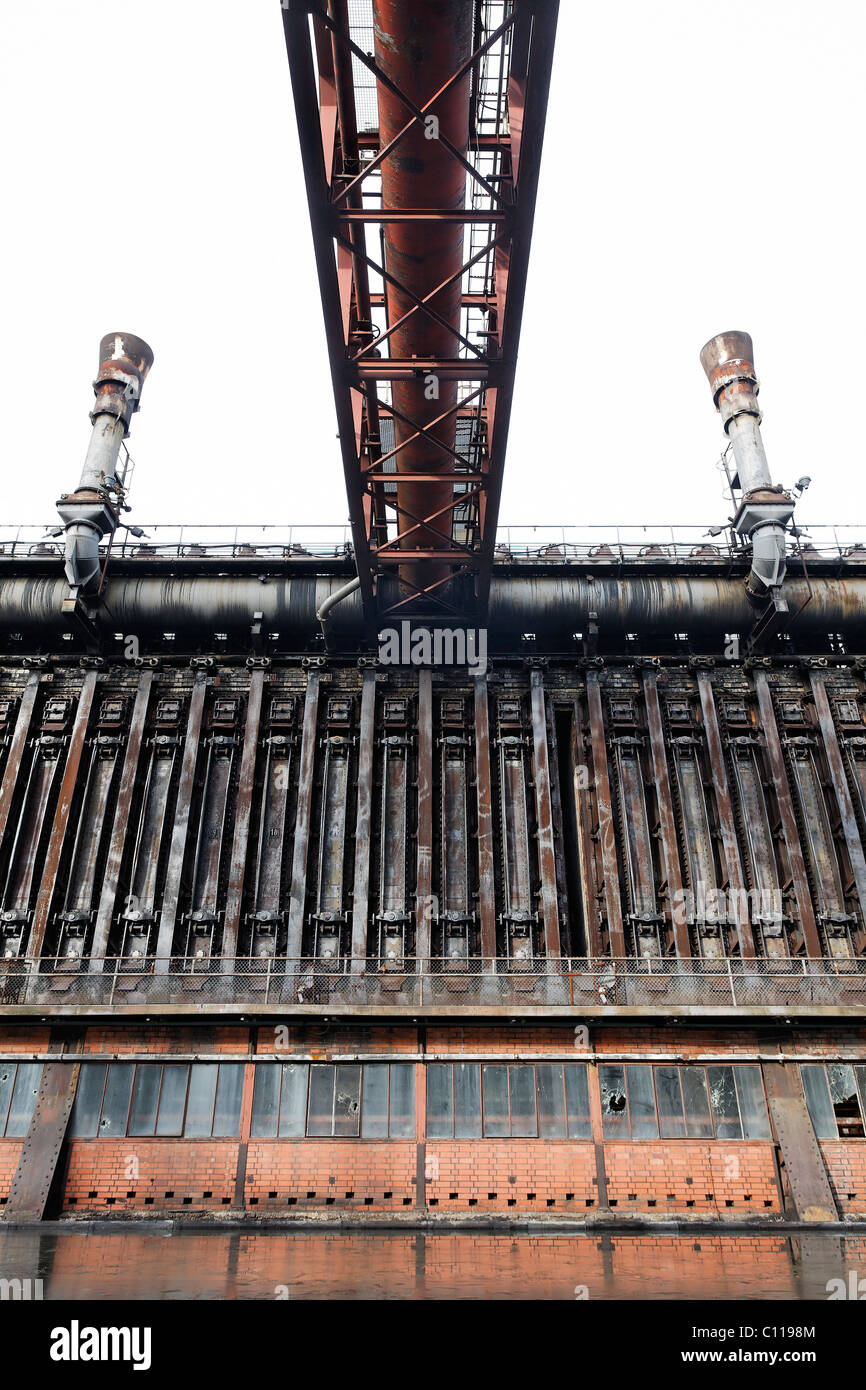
column 166, row 1038
column 190, row 1174
column 10, row 1152
column 706, row 1179
column 362, row 1174
column 531, row 1174
column 846, row 1165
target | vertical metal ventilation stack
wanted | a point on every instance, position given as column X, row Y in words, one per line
column 419, row 45
column 93, row 509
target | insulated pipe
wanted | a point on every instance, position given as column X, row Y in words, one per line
column 728, row 360
column 554, row 607
column 91, row 511
column 419, row 44
column 330, row 602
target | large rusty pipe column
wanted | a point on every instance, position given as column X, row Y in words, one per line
column 419, row 45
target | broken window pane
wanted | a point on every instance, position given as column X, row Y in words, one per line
column 84, row 1122
column 440, row 1113
column 266, row 1102
column 818, row 1101
column 614, row 1105
column 467, row 1100
column 641, row 1103
column 577, row 1101
column 551, row 1100
column 753, row 1107
column 402, row 1120
column 524, row 1123
column 172, row 1100
column 293, row 1100
column 320, row 1113
column 115, row 1102
column 495, row 1102
column 347, row 1101
column 374, row 1108
column 723, row 1101
column 200, row 1102
column 846, row 1105
column 696, row 1103
column 227, row 1110
column 23, row 1099
column 672, row 1125
column 145, row 1095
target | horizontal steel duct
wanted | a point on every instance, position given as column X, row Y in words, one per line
column 553, row 607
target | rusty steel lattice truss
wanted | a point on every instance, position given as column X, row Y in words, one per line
column 421, row 162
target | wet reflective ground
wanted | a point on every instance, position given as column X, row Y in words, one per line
column 412, row 1265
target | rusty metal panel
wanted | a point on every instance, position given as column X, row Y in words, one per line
column 16, row 750
column 786, row 810
column 168, row 916
column 544, row 817
column 841, row 789
column 61, row 816
column 243, row 811
column 486, row 881
column 424, row 881
column 364, row 821
column 667, row 820
column 302, row 818
column 604, row 805
column 725, row 809
column 113, row 862
column 795, row 1135
column 43, row 1144
column 594, row 944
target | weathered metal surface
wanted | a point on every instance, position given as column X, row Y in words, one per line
column 16, row 751
column 795, row 1135
column 735, row 884
column 243, row 813
column 604, row 812
column 484, row 793
column 364, row 820
column 785, row 802
column 61, row 816
column 767, row 915
column 177, row 852
column 298, row 898
column 667, row 821
column 842, row 792
column 120, row 828
column 43, row 1143
column 544, row 816
column 424, row 849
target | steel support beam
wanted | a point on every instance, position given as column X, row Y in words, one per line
column 298, row 897
column 842, row 791
column 424, row 881
column 604, row 807
column 782, row 788
column 364, row 822
column 16, row 751
column 183, row 805
column 667, row 819
column 725, row 807
column 544, row 818
column 243, row 811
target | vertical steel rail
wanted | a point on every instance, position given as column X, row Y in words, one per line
column 297, row 900
column 16, row 750
column 61, row 817
column 604, row 806
column 424, row 880
column 364, row 823
column 786, row 810
column 183, row 804
column 593, row 945
column 667, row 819
column 544, row 819
column 725, row 805
column 111, row 876
column 484, row 791
column 841, row 789
column 243, row 811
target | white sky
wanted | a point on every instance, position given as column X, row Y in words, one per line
column 703, row 171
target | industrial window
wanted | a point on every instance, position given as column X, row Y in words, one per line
column 19, row 1085
column 667, row 1102
column 375, row 1100
column 468, row 1100
column 152, row 1100
column 836, row 1097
